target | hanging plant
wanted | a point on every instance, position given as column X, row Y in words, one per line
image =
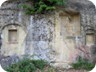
column 42, row 6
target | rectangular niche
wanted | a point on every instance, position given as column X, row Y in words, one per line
column 89, row 39
column 70, row 24
column 12, row 36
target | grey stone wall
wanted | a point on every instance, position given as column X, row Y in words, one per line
column 40, row 28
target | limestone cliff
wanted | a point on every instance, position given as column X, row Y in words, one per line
column 58, row 37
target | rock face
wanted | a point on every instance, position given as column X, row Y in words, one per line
column 58, row 37
column 93, row 53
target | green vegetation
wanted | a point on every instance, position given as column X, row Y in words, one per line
column 83, row 64
column 42, row 6
column 27, row 65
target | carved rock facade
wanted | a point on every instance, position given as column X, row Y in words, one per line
column 59, row 37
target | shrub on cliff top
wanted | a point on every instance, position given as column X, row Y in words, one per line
column 42, row 6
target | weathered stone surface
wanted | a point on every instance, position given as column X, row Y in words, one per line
column 58, row 37
column 93, row 53
column 6, row 61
